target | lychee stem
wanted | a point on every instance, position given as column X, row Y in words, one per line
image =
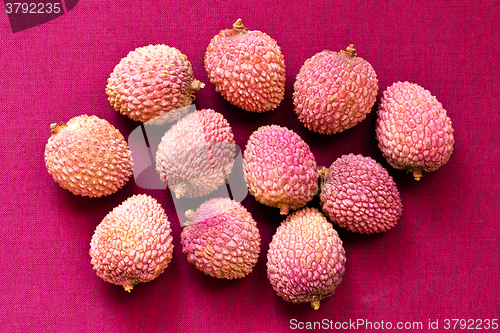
column 189, row 214
column 56, row 128
column 417, row 174
column 315, row 302
column 284, row 209
column 129, row 284
column 196, row 85
column 324, row 172
column 238, row 25
column 350, row 52
column 324, row 175
column 180, row 190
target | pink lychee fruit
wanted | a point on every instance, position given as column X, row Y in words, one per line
column 413, row 130
column 279, row 168
column 358, row 194
column 221, row 239
column 152, row 81
column 196, row 154
column 88, row 156
column 334, row 91
column 306, row 259
column 133, row 243
column 247, row 68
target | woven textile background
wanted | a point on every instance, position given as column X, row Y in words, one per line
column 441, row 262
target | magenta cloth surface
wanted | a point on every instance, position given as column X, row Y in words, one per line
column 441, row 262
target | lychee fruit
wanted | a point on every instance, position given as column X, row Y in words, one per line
column 133, row 243
column 247, row 68
column 334, row 91
column 358, row 194
column 196, row 154
column 221, row 239
column 88, row 156
column 152, row 81
column 413, row 130
column 279, row 168
column 306, row 260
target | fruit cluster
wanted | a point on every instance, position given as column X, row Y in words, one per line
column 333, row 92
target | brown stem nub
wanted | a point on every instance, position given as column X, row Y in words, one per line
column 351, row 51
column 315, row 302
column 180, row 189
column 417, row 174
column 324, row 173
column 189, row 214
column 284, row 209
column 195, row 86
column 238, row 25
column 55, row 128
column 129, row 284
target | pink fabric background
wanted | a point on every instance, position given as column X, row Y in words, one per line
column 441, row 261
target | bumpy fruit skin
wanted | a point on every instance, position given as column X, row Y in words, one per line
column 196, row 154
column 133, row 243
column 306, row 260
column 247, row 68
column 88, row 156
column 221, row 239
column 334, row 91
column 359, row 194
column 413, row 130
column 279, row 168
column 152, row 81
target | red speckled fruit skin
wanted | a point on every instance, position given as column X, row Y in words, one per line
column 306, row 260
column 222, row 239
column 133, row 243
column 413, row 130
column 279, row 168
column 88, row 156
column 334, row 91
column 151, row 81
column 247, row 68
column 196, row 154
column 359, row 194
